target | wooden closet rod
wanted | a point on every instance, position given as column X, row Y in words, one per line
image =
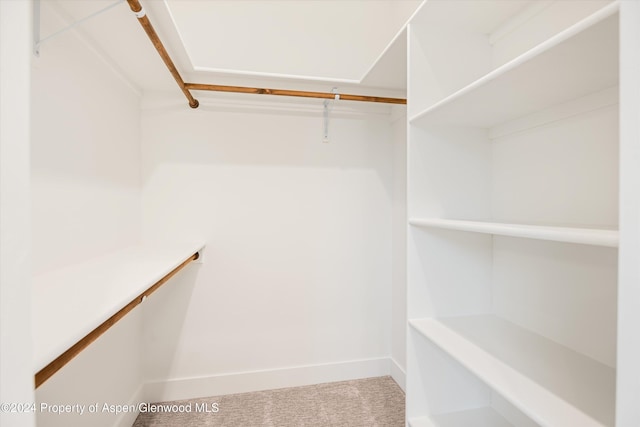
column 57, row 364
column 298, row 93
column 136, row 7
column 193, row 103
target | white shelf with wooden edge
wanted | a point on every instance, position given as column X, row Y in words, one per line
column 556, row 71
column 585, row 236
column 550, row 383
column 478, row 417
column 73, row 306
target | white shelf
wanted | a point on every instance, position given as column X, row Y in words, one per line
column 550, row 383
column 71, row 302
column 580, row 60
column 586, row 236
column 390, row 68
column 479, row 417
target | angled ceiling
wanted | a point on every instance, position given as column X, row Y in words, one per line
column 293, row 44
column 312, row 39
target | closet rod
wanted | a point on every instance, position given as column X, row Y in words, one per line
column 136, row 7
column 193, row 103
column 298, row 93
column 45, row 373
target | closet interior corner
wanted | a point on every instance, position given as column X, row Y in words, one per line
column 445, row 192
column 240, row 246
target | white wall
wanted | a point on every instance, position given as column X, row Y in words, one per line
column 297, row 270
column 85, row 152
column 16, row 372
column 107, row 371
column 85, row 160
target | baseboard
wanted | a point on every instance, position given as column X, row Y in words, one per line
column 126, row 419
column 398, row 374
column 243, row 382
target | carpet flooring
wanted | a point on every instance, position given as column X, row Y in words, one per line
column 371, row 402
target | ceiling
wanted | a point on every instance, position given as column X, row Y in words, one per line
column 311, row 39
column 303, row 44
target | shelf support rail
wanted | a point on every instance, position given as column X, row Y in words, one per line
column 58, row 363
column 193, row 103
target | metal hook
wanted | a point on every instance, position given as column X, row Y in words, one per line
column 326, row 110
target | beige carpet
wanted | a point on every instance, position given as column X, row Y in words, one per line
column 371, row 402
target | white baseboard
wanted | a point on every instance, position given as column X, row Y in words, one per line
column 243, row 382
column 398, row 374
column 126, row 419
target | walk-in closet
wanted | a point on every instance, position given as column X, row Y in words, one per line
column 391, row 213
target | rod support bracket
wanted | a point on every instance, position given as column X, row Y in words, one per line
column 140, row 13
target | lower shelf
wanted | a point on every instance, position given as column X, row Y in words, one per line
column 69, row 303
column 479, row 417
column 550, row 383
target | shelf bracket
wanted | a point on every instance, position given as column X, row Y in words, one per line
column 325, row 114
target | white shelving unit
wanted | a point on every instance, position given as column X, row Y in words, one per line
column 70, row 303
column 516, row 254
column 561, row 64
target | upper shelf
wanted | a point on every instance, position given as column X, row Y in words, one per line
column 70, row 303
column 390, row 68
column 585, row 236
column 552, row 384
column 576, row 62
